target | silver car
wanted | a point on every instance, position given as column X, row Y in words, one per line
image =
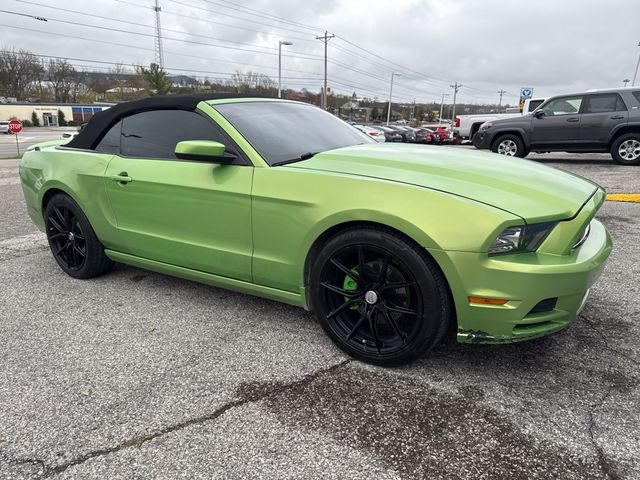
column 4, row 126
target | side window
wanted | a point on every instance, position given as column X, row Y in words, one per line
column 637, row 95
column 604, row 103
column 155, row 134
column 563, row 106
column 533, row 104
column 110, row 143
column 620, row 106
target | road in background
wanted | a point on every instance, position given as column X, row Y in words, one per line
column 28, row 137
column 140, row 375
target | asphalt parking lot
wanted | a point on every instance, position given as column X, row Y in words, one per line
column 140, row 375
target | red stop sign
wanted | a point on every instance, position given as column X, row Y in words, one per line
column 15, row 126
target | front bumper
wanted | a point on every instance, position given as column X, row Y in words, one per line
column 482, row 140
column 526, row 279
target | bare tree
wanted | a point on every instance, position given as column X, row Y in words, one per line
column 79, row 87
column 253, row 82
column 62, row 76
column 18, row 69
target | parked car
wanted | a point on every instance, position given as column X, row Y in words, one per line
column 426, row 135
column 390, row 135
column 283, row 200
column 446, row 136
column 4, row 127
column 69, row 134
column 407, row 135
column 374, row 133
column 594, row 121
column 466, row 126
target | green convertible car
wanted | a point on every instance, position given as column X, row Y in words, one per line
column 390, row 245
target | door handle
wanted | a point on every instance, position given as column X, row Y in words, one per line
column 617, row 117
column 122, row 177
column 574, row 119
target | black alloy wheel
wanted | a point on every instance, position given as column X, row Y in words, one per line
column 72, row 240
column 379, row 298
column 66, row 237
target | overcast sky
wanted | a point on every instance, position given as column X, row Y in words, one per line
column 554, row 46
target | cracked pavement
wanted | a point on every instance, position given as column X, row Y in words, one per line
column 140, row 375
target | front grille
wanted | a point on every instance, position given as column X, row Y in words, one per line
column 544, row 306
column 583, row 238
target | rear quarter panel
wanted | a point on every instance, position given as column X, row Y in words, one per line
column 79, row 174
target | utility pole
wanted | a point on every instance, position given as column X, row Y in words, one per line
column 441, row 107
column 325, row 38
column 633, row 84
column 501, row 92
column 390, row 95
column 456, row 86
column 159, row 54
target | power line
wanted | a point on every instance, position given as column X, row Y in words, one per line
column 260, row 14
column 42, row 19
column 209, row 22
column 149, row 35
column 236, row 17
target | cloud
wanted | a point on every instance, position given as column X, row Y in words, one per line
column 552, row 46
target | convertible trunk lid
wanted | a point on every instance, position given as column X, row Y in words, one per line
column 535, row 192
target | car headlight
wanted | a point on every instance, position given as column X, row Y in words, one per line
column 486, row 126
column 522, row 238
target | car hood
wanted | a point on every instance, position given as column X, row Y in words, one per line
column 535, row 192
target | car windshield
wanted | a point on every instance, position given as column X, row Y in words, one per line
column 286, row 132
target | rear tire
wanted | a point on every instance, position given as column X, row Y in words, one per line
column 625, row 150
column 378, row 296
column 73, row 242
column 509, row 145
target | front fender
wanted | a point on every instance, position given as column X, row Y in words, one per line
column 293, row 208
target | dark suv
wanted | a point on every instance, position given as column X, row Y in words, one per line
column 595, row 121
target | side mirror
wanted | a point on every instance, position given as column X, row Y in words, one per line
column 203, row 151
column 539, row 114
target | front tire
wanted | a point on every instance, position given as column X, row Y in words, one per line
column 509, row 145
column 73, row 242
column 379, row 297
column 625, row 150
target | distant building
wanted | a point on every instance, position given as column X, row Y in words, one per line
column 47, row 113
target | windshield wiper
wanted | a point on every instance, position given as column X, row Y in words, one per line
column 304, row 156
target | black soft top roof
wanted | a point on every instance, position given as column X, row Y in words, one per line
column 101, row 122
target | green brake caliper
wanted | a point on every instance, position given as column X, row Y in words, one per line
column 350, row 285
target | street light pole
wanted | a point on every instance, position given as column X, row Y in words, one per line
column 280, row 43
column 633, row 84
column 390, row 94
